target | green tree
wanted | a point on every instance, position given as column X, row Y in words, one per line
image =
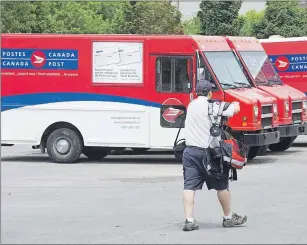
column 251, row 18
column 285, row 19
column 17, row 17
column 191, row 26
column 218, row 17
column 159, row 17
column 237, row 25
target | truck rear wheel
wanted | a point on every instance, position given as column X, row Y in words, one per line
column 95, row 153
column 64, row 145
column 284, row 144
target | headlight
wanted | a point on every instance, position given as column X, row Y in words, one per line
column 256, row 112
column 275, row 109
column 286, row 106
column 305, row 104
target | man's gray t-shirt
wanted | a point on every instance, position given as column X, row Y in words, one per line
column 198, row 123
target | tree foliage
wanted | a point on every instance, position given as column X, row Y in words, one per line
column 219, row 17
column 284, row 18
column 90, row 17
column 191, row 26
column 251, row 19
column 281, row 18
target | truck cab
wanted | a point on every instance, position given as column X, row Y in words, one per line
column 256, row 64
column 256, row 125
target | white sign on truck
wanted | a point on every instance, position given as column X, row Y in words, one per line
column 117, row 62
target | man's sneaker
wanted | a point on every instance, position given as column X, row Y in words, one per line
column 235, row 220
column 190, row 226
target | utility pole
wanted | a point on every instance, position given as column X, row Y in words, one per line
column 178, row 5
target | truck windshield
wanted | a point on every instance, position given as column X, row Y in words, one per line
column 260, row 67
column 227, row 69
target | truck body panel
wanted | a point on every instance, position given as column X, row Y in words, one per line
column 289, row 57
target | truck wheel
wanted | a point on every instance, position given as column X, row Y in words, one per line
column 253, row 152
column 263, row 149
column 96, row 153
column 284, row 144
column 64, row 145
column 139, row 151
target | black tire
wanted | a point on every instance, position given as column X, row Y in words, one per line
column 263, row 149
column 253, row 152
column 139, row 151
column 74, row 141
column 96, row 153
column 283, row 145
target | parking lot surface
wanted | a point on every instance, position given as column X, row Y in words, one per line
column 138, row 199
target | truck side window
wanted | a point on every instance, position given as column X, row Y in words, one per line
column 174, row 74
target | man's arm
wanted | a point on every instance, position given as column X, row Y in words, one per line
column 232, row 109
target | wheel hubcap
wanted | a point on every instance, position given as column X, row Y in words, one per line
column 62, row 146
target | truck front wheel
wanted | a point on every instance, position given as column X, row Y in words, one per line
column 284, row 144
column 95, row 153
column 253, row 151
column 64, row 145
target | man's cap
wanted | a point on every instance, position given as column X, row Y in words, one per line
column 203, row 85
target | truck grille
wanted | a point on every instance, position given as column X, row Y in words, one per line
column 266, row 109
column 266, row 116
column 297, row 105
column 266, row 122
column 297, row 111
column 296, row 117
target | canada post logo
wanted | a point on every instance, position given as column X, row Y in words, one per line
column 290, row 63
column 48, row 59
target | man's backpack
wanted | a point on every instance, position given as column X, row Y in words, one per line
column 230, row 153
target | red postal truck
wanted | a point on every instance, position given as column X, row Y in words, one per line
column 74, row 94
column 291, row 113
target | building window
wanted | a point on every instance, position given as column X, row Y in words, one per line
column 174, row 74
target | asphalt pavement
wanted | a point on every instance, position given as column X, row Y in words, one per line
column 138, row 199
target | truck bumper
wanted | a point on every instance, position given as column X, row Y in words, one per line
column 292, row 130
column 260, row 139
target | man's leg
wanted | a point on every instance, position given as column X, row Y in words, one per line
column 192, row 181
column 230, row 219
column 224, row 199
column 188, row 203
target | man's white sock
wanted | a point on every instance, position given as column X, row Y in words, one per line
column 190, row 219
column 229, row 216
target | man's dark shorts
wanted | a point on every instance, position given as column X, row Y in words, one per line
column 194, row 172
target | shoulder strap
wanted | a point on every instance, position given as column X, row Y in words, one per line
column 183, row 119
column 219, row 114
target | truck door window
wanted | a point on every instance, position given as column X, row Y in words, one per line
column 204, row 73
column 174, row 74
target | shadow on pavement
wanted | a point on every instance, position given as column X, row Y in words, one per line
column 140, row 159
column 281, row 153
column 261, row 160
column 299, row 144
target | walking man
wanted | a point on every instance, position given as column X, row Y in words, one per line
column 198, row 138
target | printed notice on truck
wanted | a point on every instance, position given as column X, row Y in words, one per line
column 117, row 62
